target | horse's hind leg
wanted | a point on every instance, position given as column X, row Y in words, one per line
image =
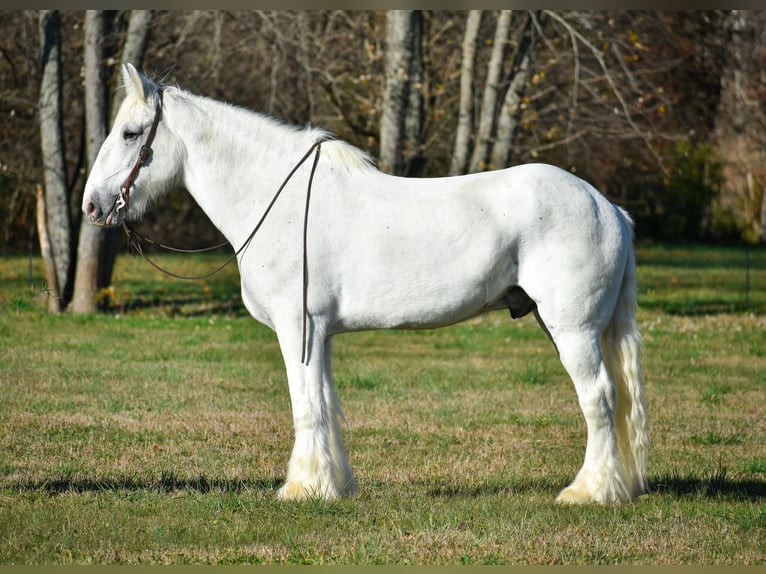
column 602, row 477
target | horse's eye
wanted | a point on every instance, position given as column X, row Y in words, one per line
column 131, row 134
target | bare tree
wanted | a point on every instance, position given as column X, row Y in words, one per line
column 92, row 239
column 55, row 221
column 459, row 162
column 415, row 114
column 511, row 110
column 480, row 156
column 96, row 248
column 608, row 94
column 401, row 37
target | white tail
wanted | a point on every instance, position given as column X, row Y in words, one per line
column 622, row 345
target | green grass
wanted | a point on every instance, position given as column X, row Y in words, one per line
column 159, row 432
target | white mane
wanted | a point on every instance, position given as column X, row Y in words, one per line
column 341, row 154
column 345, row 155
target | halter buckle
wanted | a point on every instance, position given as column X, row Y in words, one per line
column 123, row 201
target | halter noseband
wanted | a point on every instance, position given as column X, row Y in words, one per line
column 123, row 201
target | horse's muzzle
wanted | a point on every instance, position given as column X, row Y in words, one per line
column 97, row 216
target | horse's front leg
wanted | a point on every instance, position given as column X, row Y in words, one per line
column 318, row 465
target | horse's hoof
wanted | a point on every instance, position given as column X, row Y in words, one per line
column 583, row 492
column 296, row 490
column 574, row 494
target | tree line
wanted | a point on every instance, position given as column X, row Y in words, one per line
column 662, row 111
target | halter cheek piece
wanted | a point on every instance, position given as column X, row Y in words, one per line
column 123, row 201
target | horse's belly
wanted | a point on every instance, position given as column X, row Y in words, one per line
column 428, row 297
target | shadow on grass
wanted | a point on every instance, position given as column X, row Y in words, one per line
column 550, row 485
column 178, row 306
column 166, row 483
column 715, row 486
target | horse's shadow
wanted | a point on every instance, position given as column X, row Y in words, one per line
column 166, row 483
column 716, row 486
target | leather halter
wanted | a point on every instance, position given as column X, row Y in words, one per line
column 143, row 154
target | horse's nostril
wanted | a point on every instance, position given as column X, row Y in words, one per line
column 92, row 210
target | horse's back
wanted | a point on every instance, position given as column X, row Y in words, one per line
column 456, row 245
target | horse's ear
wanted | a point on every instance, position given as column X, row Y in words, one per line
column 133, row 81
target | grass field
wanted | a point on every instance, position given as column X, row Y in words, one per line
column 159, row 432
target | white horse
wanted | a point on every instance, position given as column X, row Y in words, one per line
column 391, row 252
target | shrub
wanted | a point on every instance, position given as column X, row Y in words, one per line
column 676, row 205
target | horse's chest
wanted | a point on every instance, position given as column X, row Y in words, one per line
column 268, row 285
column 255, row 307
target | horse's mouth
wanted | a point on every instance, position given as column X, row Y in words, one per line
column 117, row 214
column 113, row 219
column 105, row 216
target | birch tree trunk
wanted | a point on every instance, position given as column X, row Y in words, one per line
column 396, row 95
column 56, row 209
column 459, row 161
column 92, row 239
column 510, row 112
column 480, row 156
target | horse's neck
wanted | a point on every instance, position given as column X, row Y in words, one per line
column 235, row 161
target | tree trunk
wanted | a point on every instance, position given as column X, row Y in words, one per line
column 92, row 239
column 400, row 41
column 41, row 218
column 57, row 217
column 97, row 248
column 480, row 156
column 415, row 114
column 459, row 162
column 510, row 112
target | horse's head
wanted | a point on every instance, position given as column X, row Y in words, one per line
column 139, row 160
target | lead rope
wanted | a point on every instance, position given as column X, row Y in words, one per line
column 304, row 357
column 134, row 241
